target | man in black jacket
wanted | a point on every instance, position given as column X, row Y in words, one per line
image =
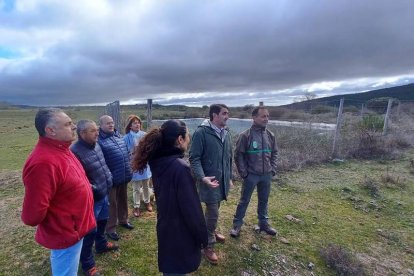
column 89, row 153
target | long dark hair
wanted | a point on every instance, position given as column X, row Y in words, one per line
column 157, row 139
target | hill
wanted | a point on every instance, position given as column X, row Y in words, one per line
column 402, row 93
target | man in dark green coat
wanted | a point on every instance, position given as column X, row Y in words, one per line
column 211, row 162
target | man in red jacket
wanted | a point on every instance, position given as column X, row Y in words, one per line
column 58, row 198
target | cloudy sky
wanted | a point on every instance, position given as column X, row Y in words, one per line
column 55, row 52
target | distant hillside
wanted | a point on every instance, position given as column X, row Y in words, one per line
column 402, row 93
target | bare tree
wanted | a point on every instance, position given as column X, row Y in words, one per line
column 307, row 96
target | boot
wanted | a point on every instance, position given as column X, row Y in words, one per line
column 211, row 255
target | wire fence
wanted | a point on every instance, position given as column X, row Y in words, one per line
column 325, row 131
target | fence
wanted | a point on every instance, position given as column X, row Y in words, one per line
column 337, row 130
column 114, row 110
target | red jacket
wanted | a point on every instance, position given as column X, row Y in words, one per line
column 58, row 198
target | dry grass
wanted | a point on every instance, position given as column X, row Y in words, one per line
column 330, row 199
column 342, row 261
column 371, row 186
column 313, row 195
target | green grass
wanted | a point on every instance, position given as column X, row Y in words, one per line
column 333, row 206
column 318, row 196
column 18, row 137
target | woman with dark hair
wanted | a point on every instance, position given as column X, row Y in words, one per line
column 181, row 228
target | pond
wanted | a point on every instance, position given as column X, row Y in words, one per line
column 238, row 125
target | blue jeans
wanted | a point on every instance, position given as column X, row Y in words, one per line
column 97, row 235
column 65, row 262
column 263, row 190
column 101, row 209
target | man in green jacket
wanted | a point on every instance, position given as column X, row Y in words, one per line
column 255, row 159
column 211, row 162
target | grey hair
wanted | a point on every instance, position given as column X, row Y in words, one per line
column 82, row 125
column 45, row 117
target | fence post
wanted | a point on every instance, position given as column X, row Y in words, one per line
column 114, row 110
column 362, row 110
column 398, row 109
column 337, row 129
column 149, row 113
column 387, row 115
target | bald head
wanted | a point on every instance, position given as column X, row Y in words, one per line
column 106, row 123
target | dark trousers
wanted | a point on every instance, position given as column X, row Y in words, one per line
column 118, row 207
column 100, row 240
column 211, row 216
column 97, row 235
column 86, row 257
column 262, row 182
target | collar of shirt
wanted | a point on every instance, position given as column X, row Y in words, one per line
column 219, row 131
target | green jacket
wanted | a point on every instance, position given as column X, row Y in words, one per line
column 209, row 156
column 256, row 152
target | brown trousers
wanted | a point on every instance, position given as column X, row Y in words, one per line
column 118, row 207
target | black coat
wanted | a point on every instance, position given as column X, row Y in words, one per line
column 116, row 157
column 181, row 227
column 93, row 162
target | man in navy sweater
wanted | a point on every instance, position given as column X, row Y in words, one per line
column 90, row 154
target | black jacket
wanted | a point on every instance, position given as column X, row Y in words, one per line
column 93, row 162
column 116, row 157
column 181, row 228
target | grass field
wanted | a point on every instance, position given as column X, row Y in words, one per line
column 364, row 207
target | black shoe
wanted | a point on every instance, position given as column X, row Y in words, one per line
column 113, row 236
column 269, row 230
column 127, row 225
column 235, row 232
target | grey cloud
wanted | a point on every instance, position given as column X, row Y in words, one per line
column 220, row 46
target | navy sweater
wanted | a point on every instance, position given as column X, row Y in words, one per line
column 93, row 162
column 116, row 157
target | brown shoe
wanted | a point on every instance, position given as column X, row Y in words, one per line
column 109, row 247
column 219, row 237
column 211, row 255
column 136, row 212
column 92, row 272
column 149, row 206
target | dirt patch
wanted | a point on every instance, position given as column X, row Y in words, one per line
column 8, row 178
column 381, row 262
column 11, row 197
column 20, row 253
